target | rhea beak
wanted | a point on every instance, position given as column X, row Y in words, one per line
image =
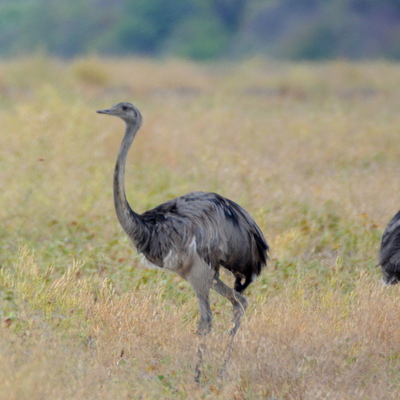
column 108, row 111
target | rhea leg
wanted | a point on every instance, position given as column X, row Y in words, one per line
column 239, row 304
column 203, row 328
column 201, row 279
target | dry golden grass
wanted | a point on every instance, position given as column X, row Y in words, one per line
column 310, row 150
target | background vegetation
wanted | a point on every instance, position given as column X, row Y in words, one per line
column 203, row 29
column 312, row 151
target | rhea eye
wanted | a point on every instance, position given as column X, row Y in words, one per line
column 124, row 108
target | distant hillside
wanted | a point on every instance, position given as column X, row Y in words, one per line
column 203, row 29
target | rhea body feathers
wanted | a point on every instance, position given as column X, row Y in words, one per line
column 217, row 229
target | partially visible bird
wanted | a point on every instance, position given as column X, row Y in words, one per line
column 193, row 235
column 389, row 255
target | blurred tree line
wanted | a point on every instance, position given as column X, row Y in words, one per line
column 203, row 29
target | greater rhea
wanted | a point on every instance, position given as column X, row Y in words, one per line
column 389, row 255
column 193, row 235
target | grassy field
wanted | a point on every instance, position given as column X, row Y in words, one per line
column 310, row 150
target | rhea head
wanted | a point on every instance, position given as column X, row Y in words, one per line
column 126, row 111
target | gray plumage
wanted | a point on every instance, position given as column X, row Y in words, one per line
column 389, row 255
column 222, row 233
column 193, row 235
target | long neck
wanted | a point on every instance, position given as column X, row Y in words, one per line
column 129, row 220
